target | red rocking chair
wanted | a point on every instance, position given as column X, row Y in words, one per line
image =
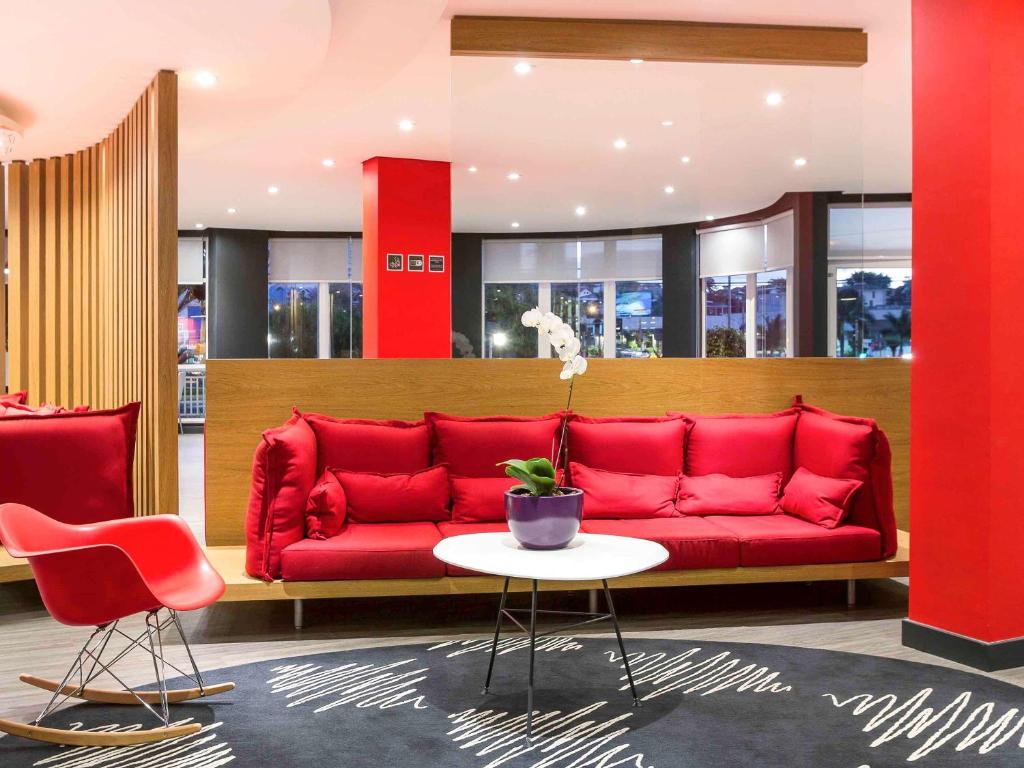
column 97, row 575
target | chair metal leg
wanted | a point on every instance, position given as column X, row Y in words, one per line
column 622, row 647
column 297, row 606
column 188, row 650
column 533, row 643
column 497, row 632
column 75, row 665
column 157, row 648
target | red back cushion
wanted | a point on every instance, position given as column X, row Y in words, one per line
column 396, row 498
column 366, row 445
column 73, row 467
column 718, row 494
column 473, row 447
column 641, row 445
column 622, row 495
column 820, row 500
column 741, row 446
column 283, row 474
column 851, row 448
column 480, row 499
column 325, row 508
column 13, row 398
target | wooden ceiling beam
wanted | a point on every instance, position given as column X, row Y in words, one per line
column 625, row 39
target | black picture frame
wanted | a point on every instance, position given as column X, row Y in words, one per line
column 394, row 262
column 415, row 262
column 435, row 263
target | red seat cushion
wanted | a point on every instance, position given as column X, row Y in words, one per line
column 641, row 445
column 741, row 446
column 448, row 530
column 623, row 496
column 785, row 540
column 823, row 501
column 692, row 542
column 73, row 467
column 396, row 498
column 13, row 398
column 283, row 474
column 480, row 499
column 723, row 495
column 848, row 447
column 366, row 551
column 367, row 445
column 473, row 447
column 325, row 508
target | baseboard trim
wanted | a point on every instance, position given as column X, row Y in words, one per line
column 989, row 657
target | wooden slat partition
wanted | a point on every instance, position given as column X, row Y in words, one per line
column 245, row 397
column 93, row 282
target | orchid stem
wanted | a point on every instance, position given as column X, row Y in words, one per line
column 565, row 427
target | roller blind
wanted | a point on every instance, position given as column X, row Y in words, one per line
column 732, row 251
column 300, row 259
column 190, row 260
column 532, row 261
column 779, row 242
column 633, row 258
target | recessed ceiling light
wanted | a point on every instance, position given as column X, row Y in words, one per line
column 205, row 79
column 773, row 99
column 405, row 124
column 522, row 68
column 514, row 176
column 667, row 123
column 472, row 169
column 684, row 159
column 232, row 210
column 199, row 225
column 620, row 144
column 800, row 162
column 514, row 225
column 327, row 162
column 669, row 189
column 709, row 217
column 581, row 210
column 272, row 190
column 636, row 61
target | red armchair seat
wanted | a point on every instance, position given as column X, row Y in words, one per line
column 785, row 540
column 692, row 542
column 366, row 551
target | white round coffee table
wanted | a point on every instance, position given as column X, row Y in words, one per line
column 589, row 557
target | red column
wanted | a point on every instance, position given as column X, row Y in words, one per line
column 407, row 214
column 967, row 404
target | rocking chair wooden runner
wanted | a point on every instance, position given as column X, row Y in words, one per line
column 97, row 575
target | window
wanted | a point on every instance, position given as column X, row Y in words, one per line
column 292, row 329
column 346, row 319
column 504, row 333
column 581, row 305
column 191, row 324
column 771, row 314
column 725, row 316
column 638, row 319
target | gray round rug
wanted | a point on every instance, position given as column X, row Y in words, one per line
column 704, row 704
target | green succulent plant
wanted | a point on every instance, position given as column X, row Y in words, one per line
column 537, row 476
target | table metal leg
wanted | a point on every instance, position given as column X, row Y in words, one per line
column 497, row 632
column 533, row 642
column 618, row 635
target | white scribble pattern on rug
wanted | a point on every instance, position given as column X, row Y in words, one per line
column 692, row 675
column 559, row 740
column 959, row 722
column 198, row 750
column 366, row 685
column 508, row 645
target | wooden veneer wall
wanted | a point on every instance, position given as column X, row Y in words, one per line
column 245, row 397
column 92, row 251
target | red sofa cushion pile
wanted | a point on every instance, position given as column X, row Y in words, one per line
column 398, row 497
column 633, row 444
column 723, row 495
column 480, row 499
column 741, row 445
column 823, row 501
column 325, row 508
column 624, row 495
column 368, row 445
column 474, row 446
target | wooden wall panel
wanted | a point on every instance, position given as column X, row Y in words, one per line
column 93, row 251
column 245, row 397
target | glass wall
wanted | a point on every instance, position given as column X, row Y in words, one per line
column 504, row 333
column 292, row 328
column 725, row 316
column 581, row 305
column 346, row 319
column 771, row 313
column 639, row 319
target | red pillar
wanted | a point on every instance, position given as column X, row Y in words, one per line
column 967, row 404
column 407, row 213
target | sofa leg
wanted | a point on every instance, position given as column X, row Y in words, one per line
column 851, row 592
column 592, row 601
column 297, row 604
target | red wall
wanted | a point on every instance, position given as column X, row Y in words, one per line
column 406, row 210
column 967, row 404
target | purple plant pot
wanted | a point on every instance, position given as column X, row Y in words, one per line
column 544, row 522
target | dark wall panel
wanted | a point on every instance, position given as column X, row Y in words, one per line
column 467, row 285
column 237, row 301
column 679, row 285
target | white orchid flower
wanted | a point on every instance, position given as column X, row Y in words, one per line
column 569, row 351
column 532, row 317
column 549, row 322
column 575, row 367
column 561, row 336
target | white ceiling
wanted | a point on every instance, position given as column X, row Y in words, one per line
column 301, row 80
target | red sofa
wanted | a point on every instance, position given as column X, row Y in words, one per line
column 695, row 484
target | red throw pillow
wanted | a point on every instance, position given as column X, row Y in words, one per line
column 741, row 445
column 623, row 495
column 367, row 445
column 644, row 445
column 480, row 499
column 13, row 398
column 325, row 508
column 474, row 446
column 73, row 467
column 396, row 498
column 823, row 501
column 718, row 494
